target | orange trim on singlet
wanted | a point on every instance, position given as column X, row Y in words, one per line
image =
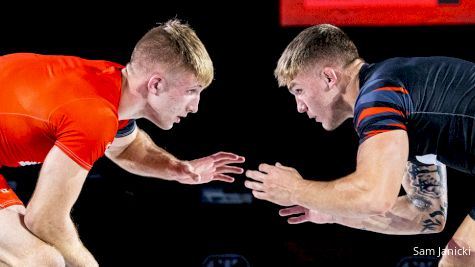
column 12, row 199
column 395, row 89
column 375, row 110
column 400, row 125
column 7, row 196
column 77, row 159
column 375, row 132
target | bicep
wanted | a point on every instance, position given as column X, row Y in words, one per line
column 58, row 186
column 120, row 143
column 381, row 163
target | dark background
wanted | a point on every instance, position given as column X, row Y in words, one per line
column 126, row 220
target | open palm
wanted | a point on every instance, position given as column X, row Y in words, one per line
column 216, row 167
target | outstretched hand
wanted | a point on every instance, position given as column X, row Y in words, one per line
column 299, row 214
column 274, row 183
column 215, row 167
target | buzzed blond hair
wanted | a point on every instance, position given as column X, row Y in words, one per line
column 176, row 46
column 319, row 43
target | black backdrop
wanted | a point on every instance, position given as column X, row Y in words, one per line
column 127, row 220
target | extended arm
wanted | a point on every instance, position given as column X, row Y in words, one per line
column 138, row 154
column 48, row 212
column 371, row 190
column 421, row 211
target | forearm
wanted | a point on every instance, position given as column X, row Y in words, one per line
column 371, row 190
column 403, row 219
column 143, row 157
column 423, row 210
column 342, row 197
column 64, row 237
column 48, row 212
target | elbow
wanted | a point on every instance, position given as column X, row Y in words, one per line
column 434, row 229
column 37, row 225
column 434, row 224
column 442, row 224
column 432, row 214
column 439, row 228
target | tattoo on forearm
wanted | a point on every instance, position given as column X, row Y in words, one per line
column 426, row 179
column 436, row 219
column 426, row 187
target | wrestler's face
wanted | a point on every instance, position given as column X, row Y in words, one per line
column 175, row 95
column 319, row 97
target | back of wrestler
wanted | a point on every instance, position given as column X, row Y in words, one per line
column 38, row 93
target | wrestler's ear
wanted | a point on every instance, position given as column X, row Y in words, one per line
column 155, row 84
column 330, row 76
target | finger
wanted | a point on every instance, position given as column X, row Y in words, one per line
column 263, row 167
column 259, row 195
column 291, row 211
column 283, row 167
column 220, row 162
column 230, row 169
column 254, row 185
column 297, row 220
column 223, row 178
column 256, row 175
column 226, row 155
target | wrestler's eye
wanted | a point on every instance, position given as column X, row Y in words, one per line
column 297, row 91
column 192, row 91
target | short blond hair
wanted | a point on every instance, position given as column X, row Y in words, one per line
column 175, row 45
column 319, row 43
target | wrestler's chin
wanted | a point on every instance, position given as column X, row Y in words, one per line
column 332, row 125
column 161, row 124
column 329, row 127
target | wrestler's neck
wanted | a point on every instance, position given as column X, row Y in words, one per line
column 132, row 99
column 351, row 82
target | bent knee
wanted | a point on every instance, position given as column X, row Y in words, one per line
column 458, row 258
column 456, row 261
